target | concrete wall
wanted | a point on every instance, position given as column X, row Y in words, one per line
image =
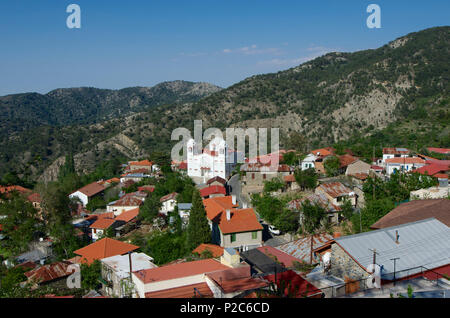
column 244, row 238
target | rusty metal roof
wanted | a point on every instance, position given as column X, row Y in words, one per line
column 301, row 248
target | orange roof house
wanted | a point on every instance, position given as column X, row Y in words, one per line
column 91, row 189
column 241, row 220
column 216, row 250
column 323, row 152
column 128, row 216
column 103, row 248
column 214, row 206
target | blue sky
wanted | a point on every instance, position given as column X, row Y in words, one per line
column 144, row 42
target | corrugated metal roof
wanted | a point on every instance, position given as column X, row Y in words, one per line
column 301, row 249
column 121, row 263
column 422, row 243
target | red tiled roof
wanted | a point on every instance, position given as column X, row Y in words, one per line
column 416, row 210
column 146, row 188
column 170, row 196
column 289, row 178
column 294, row 282
column 441, row 176
column 189, row 291
column 242, row 220
column 374, row 167
column 217, row 179
column 214, row 206
column 49, row 272
column 141, row 163
column 129, row 215
column 432, row 169
column 395, row 151
column 183, row 166
column 162, row 273
column 103, row 248
column 405, row 160
column 91, row 189
column 102, row 224
column 242, row 284
column 216, row 250
column 335, row 189
column 323, row 152
column 444, row 151
column 286, row 259
column 141, row 170
column 7, row 189
column 346, row 160
column 215, row 189
column 34, row 197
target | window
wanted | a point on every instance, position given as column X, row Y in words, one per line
column 253, row 176
column 264, row 176
column 254, row 235
column 233, row 237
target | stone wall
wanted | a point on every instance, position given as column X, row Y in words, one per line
column 343, row 266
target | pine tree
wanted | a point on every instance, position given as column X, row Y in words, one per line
column 198, row 230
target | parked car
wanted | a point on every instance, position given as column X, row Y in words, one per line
column 274, row 230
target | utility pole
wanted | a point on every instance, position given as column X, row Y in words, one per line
column 373, row 186
column 394, row 259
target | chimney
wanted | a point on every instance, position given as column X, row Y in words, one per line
column 396, row 237
column 233, row 199
column 228, row 214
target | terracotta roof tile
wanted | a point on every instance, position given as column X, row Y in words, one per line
column 179, row 270
column 189, row 291
column 408, row 160
column 127, row 216
column 214, row 206
column 91, row 189
column 217, row 179
column 415, row 211
column 216, row 250
column 102, row 224
column 103, row 248
column 242, row 220
column 215, row 189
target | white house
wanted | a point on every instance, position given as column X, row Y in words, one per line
column 403, row 164
column 168, row 203
column 184, row 210
column 214, row 160
column 389, row 153
column 116, row 273
column 87, row 192
column 309, row 161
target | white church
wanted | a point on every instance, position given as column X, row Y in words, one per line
column 214, row 160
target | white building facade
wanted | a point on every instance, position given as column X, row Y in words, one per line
column 215, row 160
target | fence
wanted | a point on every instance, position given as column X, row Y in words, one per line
column 389, row 279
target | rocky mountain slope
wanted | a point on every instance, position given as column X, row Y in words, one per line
column 332, row 98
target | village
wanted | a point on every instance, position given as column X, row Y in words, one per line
column 324, row 224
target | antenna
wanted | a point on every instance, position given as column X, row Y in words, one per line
column 394, row 259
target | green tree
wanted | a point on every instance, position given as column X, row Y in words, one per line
column 20, row 225
column 373, row 211
column 150, row 208
column 58, row 207
column 90, row 275
column 198, row 230
column 313, row 216
column 306, row 179
column 331, row 165
column 273, row 185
